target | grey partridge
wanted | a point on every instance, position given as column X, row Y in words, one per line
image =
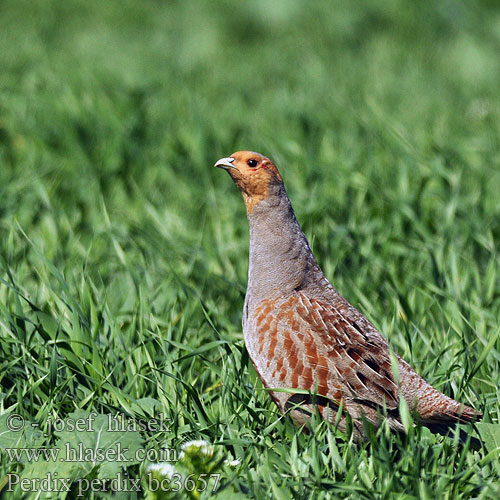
column 301, row 333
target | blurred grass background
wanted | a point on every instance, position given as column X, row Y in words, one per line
column 122, row 250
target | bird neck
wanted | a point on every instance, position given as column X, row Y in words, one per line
column 281, row 260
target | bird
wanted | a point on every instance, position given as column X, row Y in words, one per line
column 313, row 350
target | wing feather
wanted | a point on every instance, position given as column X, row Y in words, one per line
column 356, row 366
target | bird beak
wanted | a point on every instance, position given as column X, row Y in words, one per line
column 225, row 163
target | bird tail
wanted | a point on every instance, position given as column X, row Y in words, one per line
column 463, row 414
column 437, row 408
column 442, row 414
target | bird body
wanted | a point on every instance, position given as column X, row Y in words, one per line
column 302, row 334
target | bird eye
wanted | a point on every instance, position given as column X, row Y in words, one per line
column 252, row 163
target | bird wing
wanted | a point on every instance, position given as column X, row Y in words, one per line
column 327, row 353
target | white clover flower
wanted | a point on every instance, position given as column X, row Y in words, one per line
column 232, row 463
column 162, row 468
column 203, row 447
column 197, row 443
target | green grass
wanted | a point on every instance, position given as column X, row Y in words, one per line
column 123, row 253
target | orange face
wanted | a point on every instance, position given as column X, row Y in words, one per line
column 253, row 173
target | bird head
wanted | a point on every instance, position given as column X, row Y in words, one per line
column 254, row 174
